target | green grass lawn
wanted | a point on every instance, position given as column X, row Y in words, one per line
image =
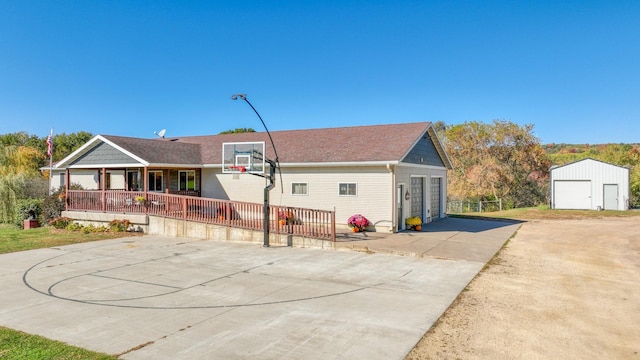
column 18, row 345
column 544, row 213
column 13, row 239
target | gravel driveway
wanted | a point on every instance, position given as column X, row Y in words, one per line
column 561, row 289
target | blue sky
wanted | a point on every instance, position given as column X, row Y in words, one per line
column 571, row 68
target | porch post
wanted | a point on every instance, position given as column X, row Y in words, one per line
column 103, row 186
column 167, row 179
column 145, row 181
column 146, row 186
column 67, row 177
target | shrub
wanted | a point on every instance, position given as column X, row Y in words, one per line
column 93, row 229
column 61, row 222
column 27, row 209
column 53, row 205
column 119, row 225
column 74, row 227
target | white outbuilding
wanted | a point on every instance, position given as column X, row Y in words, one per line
column 590, row 185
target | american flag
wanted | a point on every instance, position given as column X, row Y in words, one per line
column 49, row 146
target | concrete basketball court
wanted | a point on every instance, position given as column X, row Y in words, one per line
column 154, row 297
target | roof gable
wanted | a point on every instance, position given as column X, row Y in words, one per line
column 159, row 151
column 102, row 153
column 424, row 153
column 587, row 160
column 428, row 150
column 142, row 152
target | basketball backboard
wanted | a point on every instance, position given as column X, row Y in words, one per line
column 239, row 157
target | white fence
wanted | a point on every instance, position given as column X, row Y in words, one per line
column 465, row 206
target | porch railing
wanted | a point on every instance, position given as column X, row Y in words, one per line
column 282, row 219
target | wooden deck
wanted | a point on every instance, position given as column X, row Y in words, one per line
column 313, row 223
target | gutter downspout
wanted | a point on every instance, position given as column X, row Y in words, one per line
column 394, row 201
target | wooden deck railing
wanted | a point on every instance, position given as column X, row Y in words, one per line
column 282, row 219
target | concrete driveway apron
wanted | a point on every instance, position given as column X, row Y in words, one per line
column 156, row 297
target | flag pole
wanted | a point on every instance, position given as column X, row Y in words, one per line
column 50, row 153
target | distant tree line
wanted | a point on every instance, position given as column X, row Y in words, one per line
column 237, row 131
column 499, row 160
column 503, row 160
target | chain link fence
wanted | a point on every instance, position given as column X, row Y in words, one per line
column 471, row 206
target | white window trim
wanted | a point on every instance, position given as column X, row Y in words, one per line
column 348, row 183
column 300, row 182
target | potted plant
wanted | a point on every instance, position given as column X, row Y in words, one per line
column 282, row 217
column 414, row 222
column 358, row 222
column 286, row 217
column 224, row 212
column 140, row 200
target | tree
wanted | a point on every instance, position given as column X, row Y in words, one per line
column 237, row 131
column 21, row 157
column 497, row 161
column 20, row 160
column 11, row 190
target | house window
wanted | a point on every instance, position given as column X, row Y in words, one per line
column 348, row 189
column 132, row 180
column 299, row 189
column 155, row 181
column 186, row 180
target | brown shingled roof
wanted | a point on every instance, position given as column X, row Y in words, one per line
column 373, row 143
column 159, row 151
column 346, row 144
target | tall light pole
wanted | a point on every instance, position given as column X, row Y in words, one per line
column 273, row 164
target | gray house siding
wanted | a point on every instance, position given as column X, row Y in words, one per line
column 103, row 154
column 424, row 153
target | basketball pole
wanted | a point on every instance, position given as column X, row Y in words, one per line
column 272, row 171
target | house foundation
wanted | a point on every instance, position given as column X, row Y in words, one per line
column 157, row 225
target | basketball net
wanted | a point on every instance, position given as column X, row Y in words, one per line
column 240, row 169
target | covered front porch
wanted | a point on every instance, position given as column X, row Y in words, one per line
column 179, row 181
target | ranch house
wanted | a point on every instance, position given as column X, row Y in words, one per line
column 384, row 172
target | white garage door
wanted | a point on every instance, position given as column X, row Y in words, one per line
column 572, row 194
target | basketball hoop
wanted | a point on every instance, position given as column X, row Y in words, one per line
column 238, row 168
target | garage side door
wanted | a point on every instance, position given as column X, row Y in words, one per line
column 417, row 198
column 435, row 198
column 572, row 194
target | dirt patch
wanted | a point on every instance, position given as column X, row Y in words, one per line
column 559, row 289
